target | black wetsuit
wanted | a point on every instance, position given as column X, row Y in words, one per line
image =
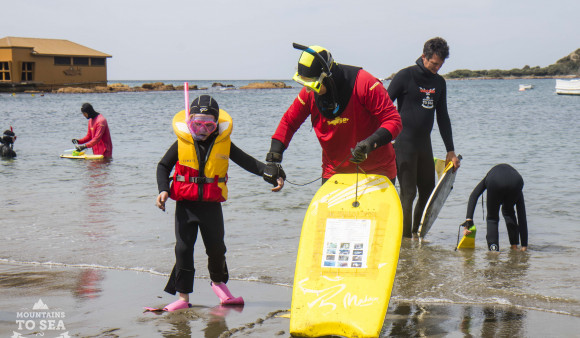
column 419, row 95
column 207, row 216
column 6, row 150
column 504, row 187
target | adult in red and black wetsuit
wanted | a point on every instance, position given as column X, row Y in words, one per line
column 421, row 94
column 504, row 186
column 350, row 111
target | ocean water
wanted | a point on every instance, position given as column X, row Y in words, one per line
column 102, row 214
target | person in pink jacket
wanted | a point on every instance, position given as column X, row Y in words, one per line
column 98, row 136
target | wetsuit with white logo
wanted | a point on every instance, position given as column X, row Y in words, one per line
column 420, row 95
column 504, row 188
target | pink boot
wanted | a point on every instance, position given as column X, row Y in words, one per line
column 225, row 295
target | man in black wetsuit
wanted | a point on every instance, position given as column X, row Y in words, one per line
column 504, row 187
column 420, row 94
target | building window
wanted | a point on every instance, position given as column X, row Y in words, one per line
column 27, row 69
column 62, row 60
column 4, row 71
column 81, row 61
column 98, row 61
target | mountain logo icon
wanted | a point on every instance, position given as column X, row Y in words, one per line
column 39, row 305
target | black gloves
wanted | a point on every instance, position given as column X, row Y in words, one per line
column 378, row 139
column 467, row 224
column 360, row 151
column 75, row 141
column 273, row 171
column 81, row 147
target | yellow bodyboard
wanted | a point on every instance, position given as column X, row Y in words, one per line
column 82, row 156
column 468, row 242
column 347, row 258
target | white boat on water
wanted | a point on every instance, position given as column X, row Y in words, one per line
column 568, row 87
column 524, row 87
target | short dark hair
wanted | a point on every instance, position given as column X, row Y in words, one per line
column 436, row 46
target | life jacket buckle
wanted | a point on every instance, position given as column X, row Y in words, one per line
column 200, row 180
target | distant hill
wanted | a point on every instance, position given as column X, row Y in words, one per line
column 566, row 66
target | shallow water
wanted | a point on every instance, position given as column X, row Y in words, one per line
column 103, row 214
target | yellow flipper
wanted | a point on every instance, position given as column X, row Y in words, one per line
column 468, row 242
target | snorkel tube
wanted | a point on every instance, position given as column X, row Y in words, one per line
column 315, row 54
column 186, row 94
column 326, row 68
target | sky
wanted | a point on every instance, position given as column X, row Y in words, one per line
column 252, row 39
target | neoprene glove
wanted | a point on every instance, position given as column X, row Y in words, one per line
column 272, row 172
column 75, row 141
column 361, row 151
column 467, row 224
column 81, row 147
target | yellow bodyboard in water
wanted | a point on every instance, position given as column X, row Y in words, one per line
column 347, row 258
column 468, row 242
column 83, row 156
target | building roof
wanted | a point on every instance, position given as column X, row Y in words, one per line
column 50, row 46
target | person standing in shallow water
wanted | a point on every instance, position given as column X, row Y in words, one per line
column 420, row 94
column 353, row 117
column 98, row 135
column 7, row 144
column 199, row 160
column 504, row 186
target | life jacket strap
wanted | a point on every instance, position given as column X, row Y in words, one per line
column 200, row 180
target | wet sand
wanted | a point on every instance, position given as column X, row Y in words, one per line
column 102, row 302
column 89, row 302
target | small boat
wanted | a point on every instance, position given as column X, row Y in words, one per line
column 524, row 87
column 568, row 87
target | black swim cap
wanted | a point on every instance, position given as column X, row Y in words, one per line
column 205, row 104
column 88, row 108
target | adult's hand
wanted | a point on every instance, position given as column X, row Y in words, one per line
column 451, row 157
column 361, row 151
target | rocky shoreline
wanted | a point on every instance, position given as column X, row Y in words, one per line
column 160, row 86
column 512, row 77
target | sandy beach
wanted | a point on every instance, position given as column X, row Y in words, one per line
column 91, row 302
column 109, row 303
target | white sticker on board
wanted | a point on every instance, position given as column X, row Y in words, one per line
column 346, row 243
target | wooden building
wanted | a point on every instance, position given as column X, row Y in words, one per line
column 46, row 64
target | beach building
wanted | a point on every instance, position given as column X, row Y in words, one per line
column 47, row 64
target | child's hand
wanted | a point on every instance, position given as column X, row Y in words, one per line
column 161, row 199
column 280, row 185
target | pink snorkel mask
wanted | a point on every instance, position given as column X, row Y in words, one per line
column 200, row 124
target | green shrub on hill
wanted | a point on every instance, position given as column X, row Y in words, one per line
column 569, row 65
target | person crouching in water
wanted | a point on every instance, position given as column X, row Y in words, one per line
column 7, row 144
column 504, row 188
column 200, row 161
column 98, row 135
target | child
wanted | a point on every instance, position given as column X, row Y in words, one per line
column 504, row 188
column 7, row 144
column 200, row 158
